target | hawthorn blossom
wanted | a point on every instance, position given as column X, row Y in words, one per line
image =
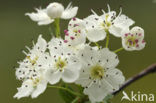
column 63, row 63
column 133, row 39
column 76, row 34
column 110, row 22
column 99, row 75
column 31, row 71
column 52, row 11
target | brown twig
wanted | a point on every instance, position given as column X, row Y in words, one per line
column 150, row 69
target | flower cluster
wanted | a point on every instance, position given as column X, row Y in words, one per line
column 74, row 59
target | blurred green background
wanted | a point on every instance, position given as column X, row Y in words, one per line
column 17, row 30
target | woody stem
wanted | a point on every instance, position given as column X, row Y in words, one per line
column 148, row 70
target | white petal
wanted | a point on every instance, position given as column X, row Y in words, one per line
column 93, row 20
column 84, row 77
column 69, row 12
column 88, row 56
column 116, row 31
column 138, row 30
column 96, row 34
column 45, row 22
column 39, row 89
column 76, row 23
column 123, row 21
column 109, row 59
column 57, row 47
column 77, row 39
column 115, row 78
column 41, row 44
column 21, row 72
column 53, row 76
column 141, row 45
column 41, row 17
column 25, row 90
column 95, row 93
column 71, row 74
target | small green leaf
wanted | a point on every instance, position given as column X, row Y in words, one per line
column 65, row 95
column 108, row 98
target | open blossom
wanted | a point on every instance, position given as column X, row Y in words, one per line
column 76, row 34
column 32, row 71
column 99, row 75
column 79, row 30
column 63, row 64
column 53, row 10
column 133, row 39
column 109, row 21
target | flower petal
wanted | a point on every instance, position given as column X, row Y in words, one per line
column 39, row 89
column 71, row 74
column 41, row 44
column 123, row 21
column 115, row 78
column 69, row 12
column 41, row 17
column 25, row 90
column 95, row 93
column 108, row 59
column 116, row 31
column 96, row 34
column 53, row 76
column 45, row 22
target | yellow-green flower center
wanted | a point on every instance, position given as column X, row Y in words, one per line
column 32, row 61
column 97, row 71
column 106, row 24
column 131, row 41
column 60, row 64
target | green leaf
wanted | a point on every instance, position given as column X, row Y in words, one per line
column 65, row 95
column 108, row 98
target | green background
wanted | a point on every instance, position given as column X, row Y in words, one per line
column 17, row 30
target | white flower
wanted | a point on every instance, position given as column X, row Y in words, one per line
column 33, row 86
column 31, row 71
column 53, row 10
column 76, row 34
column 63, row 63
column 98, row 74
column 133, row 39
column 110, row 22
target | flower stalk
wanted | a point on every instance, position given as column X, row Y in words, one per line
column 118, row 50
column 97, row 45
column 107, row 39
column 57, row 27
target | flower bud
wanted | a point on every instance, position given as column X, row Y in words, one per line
column 55, row 10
